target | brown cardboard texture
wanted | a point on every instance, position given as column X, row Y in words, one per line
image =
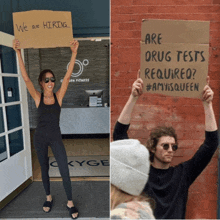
column 177, row 31
column 172, row 65
column 43, row 28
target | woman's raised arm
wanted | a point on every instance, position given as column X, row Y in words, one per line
column 34, row 93
column 61, row 92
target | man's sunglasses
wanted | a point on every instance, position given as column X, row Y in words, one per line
column 52, row 79
column 166, row 147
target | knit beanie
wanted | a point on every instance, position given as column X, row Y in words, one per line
column 129, row 165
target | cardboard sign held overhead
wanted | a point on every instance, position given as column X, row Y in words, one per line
column 43, row 29
column 174, row 57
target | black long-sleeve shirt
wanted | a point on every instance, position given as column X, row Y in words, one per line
column 169, row 187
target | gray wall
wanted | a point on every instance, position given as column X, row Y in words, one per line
column 56, row 59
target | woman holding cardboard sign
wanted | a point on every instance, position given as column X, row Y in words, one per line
column 48, row 131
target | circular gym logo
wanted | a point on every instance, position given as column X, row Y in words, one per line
column 81, row 67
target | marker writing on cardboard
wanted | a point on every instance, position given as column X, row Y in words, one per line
column 35, row 26
column 180, row 87
column 190, row 56
column 22, row 27
column 160, row 56
column 55, row 24
column 169, row 73
column 153, row 38
column 186, row 56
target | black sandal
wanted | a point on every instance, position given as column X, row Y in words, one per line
column 48, row 204
column 73, row 210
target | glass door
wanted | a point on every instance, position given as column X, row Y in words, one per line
column 15, row 146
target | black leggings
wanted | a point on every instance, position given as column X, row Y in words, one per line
column 53, row 139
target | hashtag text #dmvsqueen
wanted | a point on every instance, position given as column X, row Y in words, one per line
column 172, row 87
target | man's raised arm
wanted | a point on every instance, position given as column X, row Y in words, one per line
column 210, row 121
column 121, row 127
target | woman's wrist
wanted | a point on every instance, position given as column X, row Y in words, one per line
column 18, row 52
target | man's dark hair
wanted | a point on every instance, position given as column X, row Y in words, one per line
column 156, row 134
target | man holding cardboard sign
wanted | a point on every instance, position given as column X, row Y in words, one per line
column 167, row 185
column 174, row 62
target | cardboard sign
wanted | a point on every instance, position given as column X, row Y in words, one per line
column 174, row 57
column 43, row 29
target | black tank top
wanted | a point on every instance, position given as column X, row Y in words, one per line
column 48, row 115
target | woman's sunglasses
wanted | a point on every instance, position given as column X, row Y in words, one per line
column 166, row 147
column 52, row 79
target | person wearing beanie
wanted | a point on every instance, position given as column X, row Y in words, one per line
column 129, row 166
column 167, row 185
